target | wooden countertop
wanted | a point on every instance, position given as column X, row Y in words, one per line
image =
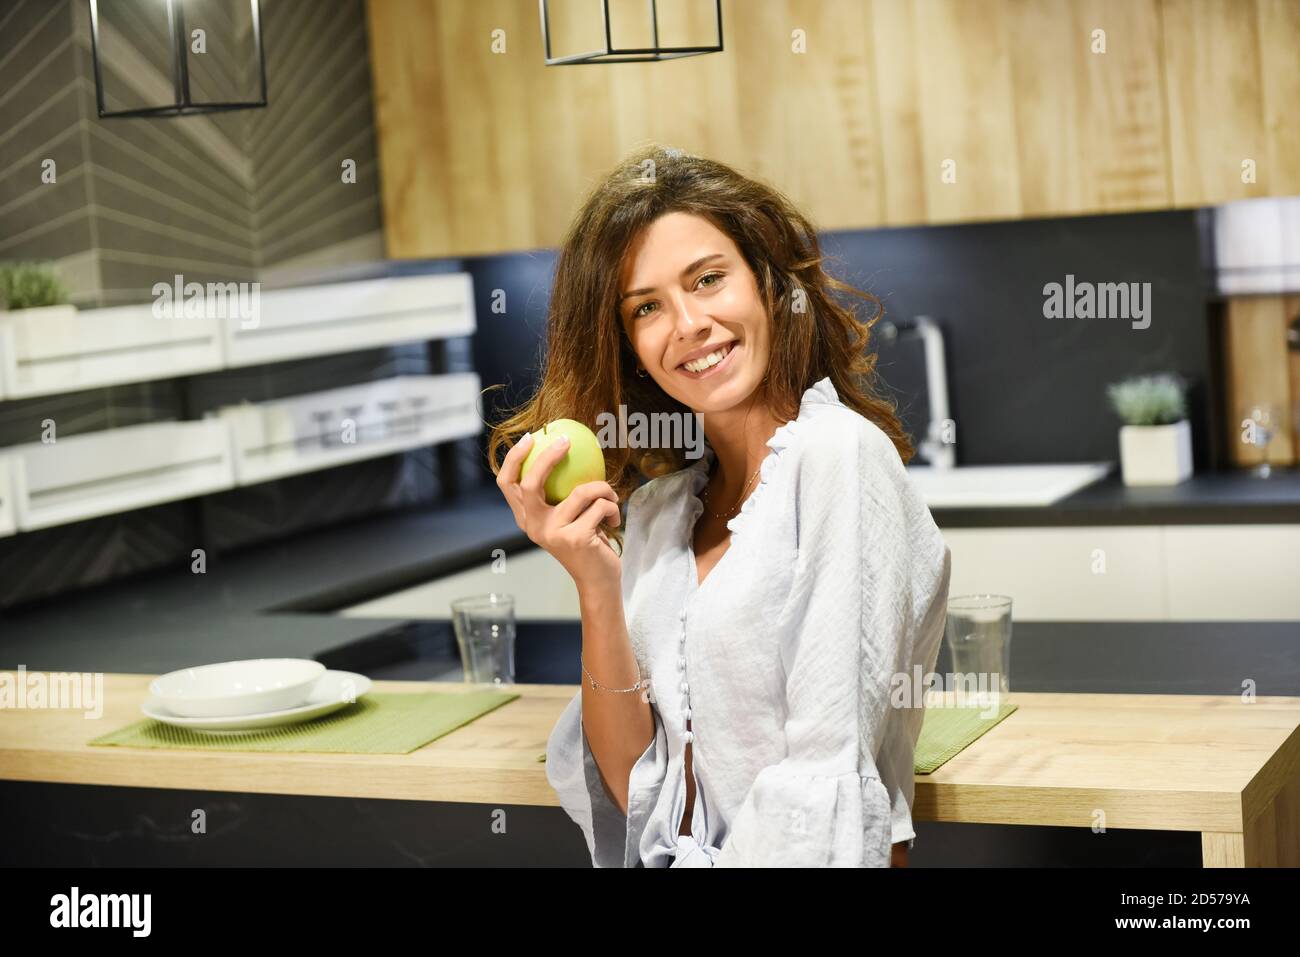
column 1211, row 764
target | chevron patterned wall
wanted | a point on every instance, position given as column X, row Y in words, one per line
column 256, row 194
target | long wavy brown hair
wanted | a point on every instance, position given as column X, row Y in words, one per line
column 590, row 367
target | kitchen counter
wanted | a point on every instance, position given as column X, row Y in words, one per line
column 1215, row 765
column 149, row 823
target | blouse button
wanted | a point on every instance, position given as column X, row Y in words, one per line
column 682, row 688
column 681, row 662
column 688, row 737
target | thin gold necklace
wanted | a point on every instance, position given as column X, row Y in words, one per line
column 738, row 502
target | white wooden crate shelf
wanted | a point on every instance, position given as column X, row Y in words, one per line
column 344, row 317
column 61, row 349
column 102, row 473
column 320, row 430
column 7, row 525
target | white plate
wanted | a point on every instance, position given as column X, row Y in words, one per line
column 334, row 690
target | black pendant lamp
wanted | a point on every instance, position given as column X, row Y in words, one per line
column 183, row 103
column 612, row 54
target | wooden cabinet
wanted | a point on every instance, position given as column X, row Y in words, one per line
column 1232, row 74
column 898, row 112
column 1259, row 370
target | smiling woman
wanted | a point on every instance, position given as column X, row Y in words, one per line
column 761, row 253
column 749, row 726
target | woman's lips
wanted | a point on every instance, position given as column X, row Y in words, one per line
column 714, row 369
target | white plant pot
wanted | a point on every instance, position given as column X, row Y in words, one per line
column 1156, row 454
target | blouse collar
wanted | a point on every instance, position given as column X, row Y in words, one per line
column 822, row 392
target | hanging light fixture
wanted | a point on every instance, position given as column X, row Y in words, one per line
column 612, row 54
column 183, row 103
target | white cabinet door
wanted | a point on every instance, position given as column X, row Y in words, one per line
column 1233, row 572
column 1101, row 573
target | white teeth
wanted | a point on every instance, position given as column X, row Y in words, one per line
column 712, row 359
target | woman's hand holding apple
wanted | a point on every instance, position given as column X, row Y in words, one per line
column 572, row 530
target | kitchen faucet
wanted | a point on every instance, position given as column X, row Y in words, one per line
column 938, row 453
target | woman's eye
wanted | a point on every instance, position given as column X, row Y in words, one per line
column 637, row 313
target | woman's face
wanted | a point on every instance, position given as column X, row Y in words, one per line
column 686, row 291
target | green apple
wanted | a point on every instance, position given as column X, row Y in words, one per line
column 584, row 462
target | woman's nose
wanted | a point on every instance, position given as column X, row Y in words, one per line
column 687, row 314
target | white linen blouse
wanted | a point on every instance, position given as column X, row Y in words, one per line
column 835, row 581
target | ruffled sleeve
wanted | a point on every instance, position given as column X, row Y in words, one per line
column 897, row 765
column 869, row 593
column 612, row 837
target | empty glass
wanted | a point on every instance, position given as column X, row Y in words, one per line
column 979, row 639
column 485, row 632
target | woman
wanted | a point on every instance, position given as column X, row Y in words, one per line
column 742, row 633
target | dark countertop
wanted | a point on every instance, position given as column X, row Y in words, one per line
column 1207, row 498
column 259, row 602
column 276, row 600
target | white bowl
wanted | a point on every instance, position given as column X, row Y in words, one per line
column 237, row 687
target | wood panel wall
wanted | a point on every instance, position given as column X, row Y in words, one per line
column 485, row 151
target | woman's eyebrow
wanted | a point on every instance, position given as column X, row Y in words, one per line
column 685, row 272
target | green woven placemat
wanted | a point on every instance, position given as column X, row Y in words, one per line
column 376, row 723
column 946, row 732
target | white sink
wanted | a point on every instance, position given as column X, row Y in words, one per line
column 988, row 486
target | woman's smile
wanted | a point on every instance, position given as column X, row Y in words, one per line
column 718, row 368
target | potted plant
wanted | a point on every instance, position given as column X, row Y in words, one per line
column 1155, row 442
column 26, row 286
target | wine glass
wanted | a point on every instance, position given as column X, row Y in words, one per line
column 1259, row 427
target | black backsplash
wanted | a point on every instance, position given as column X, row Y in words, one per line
column 1024, row 388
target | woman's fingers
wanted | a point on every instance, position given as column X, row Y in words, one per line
column 601, row 512
column 510, row 465
column 582, row 496
column 535, row 479
column 508, row 476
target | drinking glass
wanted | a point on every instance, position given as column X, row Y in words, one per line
column 979, row 639
column 485, row 633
